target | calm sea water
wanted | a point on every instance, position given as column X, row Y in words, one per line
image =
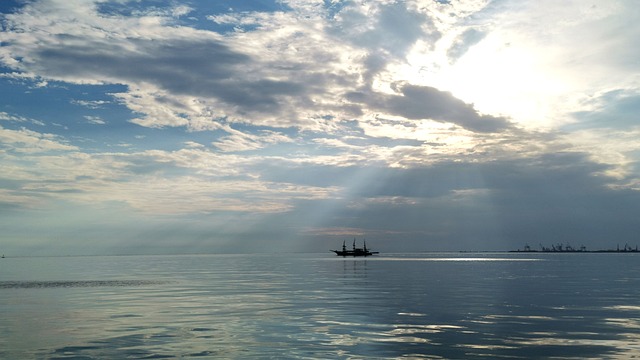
column 319, row 306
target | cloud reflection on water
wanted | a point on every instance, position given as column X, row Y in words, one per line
column 312, row 306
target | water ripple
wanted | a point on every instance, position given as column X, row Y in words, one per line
column 76, row 284
column 319, row 307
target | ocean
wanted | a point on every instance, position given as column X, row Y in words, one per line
column 320, row 306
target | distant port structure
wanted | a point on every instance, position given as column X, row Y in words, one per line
column 562, row 248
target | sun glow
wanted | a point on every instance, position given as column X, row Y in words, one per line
column 497, row 77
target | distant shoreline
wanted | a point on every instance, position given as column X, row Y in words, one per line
column 542, row 252
column 566, row 248
column 575, row 251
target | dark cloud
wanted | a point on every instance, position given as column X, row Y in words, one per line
column 198, row 67
column 398, row 28
column 560, row 198
column 393, row 29
column 501, row 204
column 425, row 102
column 387, row 35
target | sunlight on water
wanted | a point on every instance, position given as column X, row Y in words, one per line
column 481, row 306
column 466, row 259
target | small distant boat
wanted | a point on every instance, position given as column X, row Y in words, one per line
column 363, row 251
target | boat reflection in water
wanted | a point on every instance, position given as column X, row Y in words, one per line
column 363, row 251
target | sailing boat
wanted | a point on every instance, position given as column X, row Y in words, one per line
column 363, row 251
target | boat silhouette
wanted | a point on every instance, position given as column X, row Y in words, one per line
column 363, row 251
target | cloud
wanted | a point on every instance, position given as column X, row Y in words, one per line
column 204, row 67
column 390, row 28
column 311, row 119
column 91, row 104
column 424, row 102
column 192, row 195
column 188, row 181
column 12, row 200
column 612, row 109
column 453, row 205
column 27, row 141
column 335, row 232
column 96, row 120
column 160, row 61
column 17, row 118
column 615, row 148
column 466, row 40
column 549, row 198
column 239, row 141
column 180, row 76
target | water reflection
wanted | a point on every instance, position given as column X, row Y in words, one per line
column 510, row 309
column 321, row 307
column 448, row 259
column 76, row 283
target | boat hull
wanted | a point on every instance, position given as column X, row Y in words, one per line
column 354, row 253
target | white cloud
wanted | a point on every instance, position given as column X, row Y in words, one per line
column 27, row 141
column 293, row 70
column 91, row 104
column 616, row 148
column 239, row 141
column 188, row 181
column 249, row 80
column 537, row 60
column 96, row 120
column 197, row 159
column 17, row 118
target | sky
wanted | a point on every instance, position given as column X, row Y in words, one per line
column 183, row 126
